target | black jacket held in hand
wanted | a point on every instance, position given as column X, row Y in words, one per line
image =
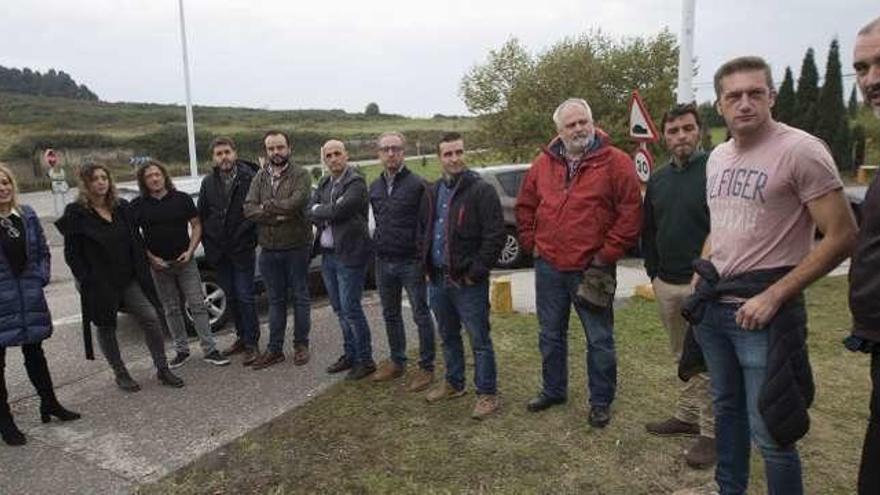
column 344, row 211
column 788, row 389
column 475, row 229
column 225, row 230
column 399, row 216
column 87, row 253
column 864, row 271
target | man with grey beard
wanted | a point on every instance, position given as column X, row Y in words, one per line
column 865, row 268
column 578, row 211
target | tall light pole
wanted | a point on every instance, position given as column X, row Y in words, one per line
column 190, row 127
column 686, row 53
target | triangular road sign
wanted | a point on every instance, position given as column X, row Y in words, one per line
column 641, row 127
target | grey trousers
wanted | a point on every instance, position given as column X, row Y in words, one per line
column 182, row 281
column 137, row 304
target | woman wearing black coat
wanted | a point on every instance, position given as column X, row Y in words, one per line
column 24, row 316
column 107, row 257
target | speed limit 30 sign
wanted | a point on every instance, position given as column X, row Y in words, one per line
column 644, row 163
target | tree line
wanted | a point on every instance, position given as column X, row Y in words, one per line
column 52, row 83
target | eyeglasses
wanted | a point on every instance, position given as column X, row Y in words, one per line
column 11, row 231
column 391, row 149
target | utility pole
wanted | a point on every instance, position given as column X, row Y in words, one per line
column 686, row 53
column 190, row 126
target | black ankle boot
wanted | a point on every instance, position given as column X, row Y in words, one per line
column 10, row 433
column 125, row 381
column 49, row 409
column 169, row 379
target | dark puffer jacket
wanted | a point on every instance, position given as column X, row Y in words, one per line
column 399, row 216
column 24, row 315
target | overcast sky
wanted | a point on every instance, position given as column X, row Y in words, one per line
column 407, row 56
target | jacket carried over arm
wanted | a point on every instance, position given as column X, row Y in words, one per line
column 597, row 213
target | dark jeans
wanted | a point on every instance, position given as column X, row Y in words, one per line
column 284, row 270
column 454, row 306
column 344, row 285
column 554, row 293
column 236, row 278
column 392, row 277
column 869, row 473
column 737, row 362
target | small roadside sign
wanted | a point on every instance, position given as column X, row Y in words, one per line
column 51, row 157
column 644, row 163
column 641, row 127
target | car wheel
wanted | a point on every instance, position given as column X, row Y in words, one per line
column 511, row 254
column 215, row 301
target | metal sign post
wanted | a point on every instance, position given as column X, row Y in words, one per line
column 57, row 180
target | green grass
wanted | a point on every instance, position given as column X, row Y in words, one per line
column 367, row 438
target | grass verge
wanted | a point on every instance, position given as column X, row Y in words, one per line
column 366, row 438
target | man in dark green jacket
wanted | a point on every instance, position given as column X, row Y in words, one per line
column 675, row 225
column 276, row 202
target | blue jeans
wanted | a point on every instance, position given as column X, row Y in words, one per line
column 344, row 285
column 554, row 293
column 236, row 278
column 284, row 270
column 454, row 306
column 392, row 277
column 737, row 362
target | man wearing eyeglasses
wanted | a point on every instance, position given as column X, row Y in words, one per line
column 339, row 209
column 399, row 199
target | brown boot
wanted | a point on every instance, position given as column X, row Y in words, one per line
column 420, row 380
column 486, row 405
column 388, row 370
column 249, row 356
column 236, row 347
column 672, row 427
column 442, row 392
column 300, row 354
column 268, row 359
column 702, row 453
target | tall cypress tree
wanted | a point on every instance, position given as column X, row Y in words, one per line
column 853, row 106
column 832, row 123
column 807, row 94
column 784, row 110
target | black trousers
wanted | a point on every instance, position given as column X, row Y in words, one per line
column 37, row 371
column 869, row 473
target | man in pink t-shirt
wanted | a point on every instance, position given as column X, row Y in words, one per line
column 767, row 189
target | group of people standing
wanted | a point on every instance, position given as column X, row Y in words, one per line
column 728, row 238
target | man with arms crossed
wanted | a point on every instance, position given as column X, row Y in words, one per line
column 339, row 209
column 277, row 202
column 399, row 198
column 767, row 188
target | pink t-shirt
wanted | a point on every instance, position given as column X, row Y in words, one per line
column 757, row 199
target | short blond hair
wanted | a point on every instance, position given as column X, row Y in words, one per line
column 5, row 170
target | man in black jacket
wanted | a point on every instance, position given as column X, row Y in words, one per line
column 865, row 268
column 464, row 234
column 229, row 240
column 339, row 209
column 400, row 198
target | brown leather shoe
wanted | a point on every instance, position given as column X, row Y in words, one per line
column 300, row 354
column 442, row 392
column 672, row 427
column 268, row 359
column 249, row 356
column 388, row 370
column 236, row 347
column 702, row 453
column 420, row 380
column 486, row 405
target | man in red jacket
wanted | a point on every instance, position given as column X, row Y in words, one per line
column 578, row 211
